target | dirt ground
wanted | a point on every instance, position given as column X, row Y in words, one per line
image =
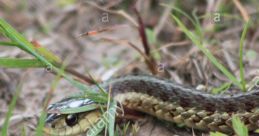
column 57, row 25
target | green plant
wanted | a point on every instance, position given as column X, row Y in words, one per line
column 11, row 107
column 43, row 59
column 241, row 65
column 239, row 127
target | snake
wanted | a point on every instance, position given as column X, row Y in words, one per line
column 163, row 99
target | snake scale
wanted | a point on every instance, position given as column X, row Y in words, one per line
column 165, row 100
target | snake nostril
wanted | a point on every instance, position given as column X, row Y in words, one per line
column 71, row 119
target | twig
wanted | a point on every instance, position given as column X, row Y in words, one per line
column 149, row 59
column 94, row 32
column 242, row 10
column 79, row 75
column 254, row 38
column 229, row 31
column 162, row 21
column 229, row 60
column 198, row 68
column 19, row 118
column 142, row 33
column 172, row 44
column 119, row 12
column 70, row 71
column 131, row 45
column 145, row 44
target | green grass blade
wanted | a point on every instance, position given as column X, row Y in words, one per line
column 8, row 44
column 46, row 53
column 43, row 114
column 241, row 47
column 39, row 49
column 107, row 116
column 111, row 117
column 180, row 11
column 212, row 59
column 41, row 124
column 217, row 134
column 197, row 25
column 125, row 128
column 39, row 52
column 239, row 127
column 15, row 37
column 11, row 107
column 78, row 109
column 12, row 34
column 151, row 36
column 23, row 131
column 195, row 22
column 21, row 63
column 222, row 88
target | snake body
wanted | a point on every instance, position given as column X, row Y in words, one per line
column 176, row 103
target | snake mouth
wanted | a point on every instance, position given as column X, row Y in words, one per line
column 71, row 124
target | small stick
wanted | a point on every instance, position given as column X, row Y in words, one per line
column 151, row 61
column 242, row 10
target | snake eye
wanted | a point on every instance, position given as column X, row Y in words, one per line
column 71, row 119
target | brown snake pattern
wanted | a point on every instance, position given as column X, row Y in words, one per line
column 184, row 105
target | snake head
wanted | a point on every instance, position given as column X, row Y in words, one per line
column 60, row 124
